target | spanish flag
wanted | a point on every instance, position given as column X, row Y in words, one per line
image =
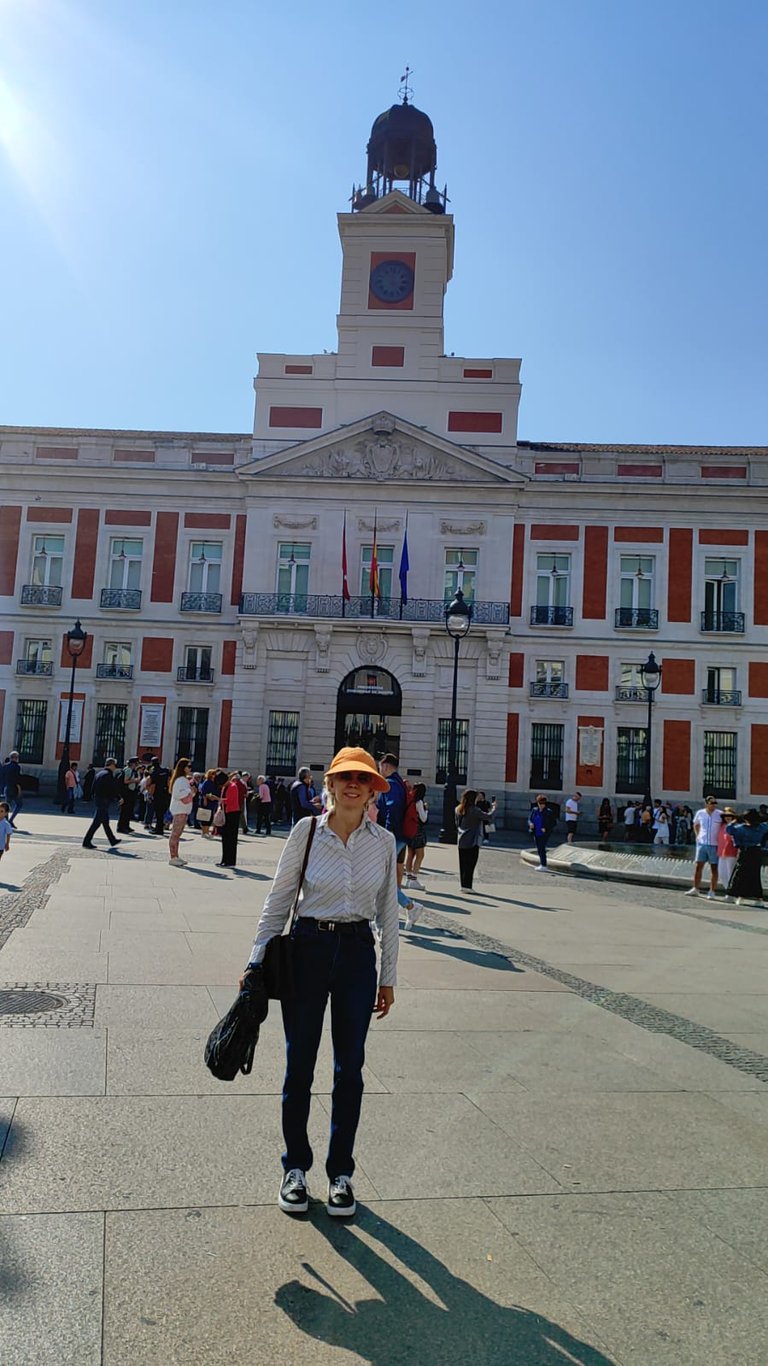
column 373, row 577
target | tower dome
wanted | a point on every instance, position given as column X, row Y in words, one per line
column 402, row 152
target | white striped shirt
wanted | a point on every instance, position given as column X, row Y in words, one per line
column 352, row 881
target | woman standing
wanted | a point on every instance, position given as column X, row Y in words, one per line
column 182, row 796
column 231, row 802
column 417, row 844
column 70, row 789
column 661, row 826
column 471, row 822
column 209, row 800
column 727, row 851
column 749, row 835
column 350, row 881
column 605, row 820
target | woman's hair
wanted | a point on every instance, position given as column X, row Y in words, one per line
column 469, row 797
column 210, row 774
column 605, row 802
column 419, row 792
column 178, row 772
column 5, row 806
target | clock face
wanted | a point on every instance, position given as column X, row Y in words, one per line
column 392, row 281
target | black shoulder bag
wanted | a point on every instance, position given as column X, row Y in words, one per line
column 277, row 964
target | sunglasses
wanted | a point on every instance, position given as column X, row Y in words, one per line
column 352, row 777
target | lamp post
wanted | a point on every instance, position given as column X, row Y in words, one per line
column 76, row 639
column 458, row 619
column 650, row 672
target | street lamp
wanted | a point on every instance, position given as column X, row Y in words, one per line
column 458, row 619
column 76, row 639
column 650, row 673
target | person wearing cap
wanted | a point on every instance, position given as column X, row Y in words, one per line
column 349, row 885
column 706, row 826
column 749, row 836
column 727, row 851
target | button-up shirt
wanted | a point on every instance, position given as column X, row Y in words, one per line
column 343, row 882
column 709, row 823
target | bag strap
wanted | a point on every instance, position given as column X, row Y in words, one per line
column 307, row 847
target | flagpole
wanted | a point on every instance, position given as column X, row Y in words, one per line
column 373, row 577
column 403, row 563
column 344, row 567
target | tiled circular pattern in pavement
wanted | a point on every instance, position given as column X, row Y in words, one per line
column 75, row 1004
column 21, row 1001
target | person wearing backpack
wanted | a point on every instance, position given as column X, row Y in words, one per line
column 415, row 832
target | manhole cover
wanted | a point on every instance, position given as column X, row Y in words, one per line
column 20, row 1002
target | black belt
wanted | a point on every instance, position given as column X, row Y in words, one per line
column 333, row 926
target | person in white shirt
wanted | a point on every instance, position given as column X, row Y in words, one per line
column 661, row 827
column 182, row 796
column 706, row 826
column 572, row 809
column 350, row 882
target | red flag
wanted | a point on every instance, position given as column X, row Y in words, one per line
column 344, row 583
column 373, row 577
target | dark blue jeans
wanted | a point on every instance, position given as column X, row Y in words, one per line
column 100, row 820
column 342, row 967
column 541, row 848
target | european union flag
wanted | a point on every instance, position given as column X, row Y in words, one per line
column 404, row 567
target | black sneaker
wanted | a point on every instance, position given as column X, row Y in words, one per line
column 341, row 1198
column 294, row 1194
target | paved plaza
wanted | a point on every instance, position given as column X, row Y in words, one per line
column 563, row 1156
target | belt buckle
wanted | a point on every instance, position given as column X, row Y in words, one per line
column 329, row 925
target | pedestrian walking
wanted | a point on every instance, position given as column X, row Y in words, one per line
column 572, row 809
column 105, row 792
column 349, row 884
column 749, row 835
column 391, row 807
column 416, row 843
column 605, row 820
column 471, row 822
column 706, row 827
column 6, row 829
column 264, row 808
column 541, row 822
column 14, row 792
column 231, row 803
column 182, row 796
column 727, row 849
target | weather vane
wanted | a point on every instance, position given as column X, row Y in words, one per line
column 406, row 91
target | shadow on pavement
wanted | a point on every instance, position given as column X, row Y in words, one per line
column 400, row 1325
column 427, row 938
column 13, row 1281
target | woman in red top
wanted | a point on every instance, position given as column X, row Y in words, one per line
column 727, row 852
column 231, row 801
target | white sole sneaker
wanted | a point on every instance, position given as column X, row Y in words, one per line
column 291, row 1207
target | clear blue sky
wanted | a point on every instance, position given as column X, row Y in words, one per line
column 170, row 172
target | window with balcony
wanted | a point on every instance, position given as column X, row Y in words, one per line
column 636, row 592
column 292, row 576
column 553, row 591
column 117, row 661
column 124, row 573
column 550, row 679
column 547, row 757
column 720, row 762
column 462, row 749
column 47, row 561
column 630, row 758
column 282, row 742
column 197, row 665
column 721, row 690
column 721, row 596
column 38, row 658
column 631, row 687
column 192, row 736
column 29, row 737
column 385, row 557
column 204, row 578
column 460, row 573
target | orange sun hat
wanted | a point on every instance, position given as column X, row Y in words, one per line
column 354, row 760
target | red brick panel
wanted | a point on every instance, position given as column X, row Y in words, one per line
column 641, row 534
column 84, row 567
column 390, row 356
column 469, row 373
column 10, row 529
column 723, row 471
column 544, row 531
column 164, row 562
column 6, row 647
column 228, row 652
column 718, row 537
column 761, row 578
column 678, row 676
column 556, row 467
column 640, row 471
column 592, row 673
column 409, row 258
column 516, row 665
column 122, row 517
column 513, row 734
column 213, row 457
column 298, row 370
column 518, row 563
column 134, row 457
column 85, row 660
column 595, row 572
column 680, row 574
column 225, row 727
column 758, row 781
column 238, row 560
column 460, row 421
column 676, row 768
column 208, row 521
column 758, row 679
column 157, row 654
column 36, row 514
column 295, row 417
column 591, row 775
column 56, row 453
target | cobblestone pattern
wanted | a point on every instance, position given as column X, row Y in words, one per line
column 17, row 907
column 77, row 1010
column 631, row 1008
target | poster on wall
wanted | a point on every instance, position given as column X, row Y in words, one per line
column 76, row 728
column 590, row 746
column 151, row 732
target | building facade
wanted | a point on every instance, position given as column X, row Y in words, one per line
column 209, row 569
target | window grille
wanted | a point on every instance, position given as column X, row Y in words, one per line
column 109, row 740
column 462, row 749
column 547, row 756
column 30, row 730
column 720, row 755
column 192, row 736
column 630, row 759
column 283, row 741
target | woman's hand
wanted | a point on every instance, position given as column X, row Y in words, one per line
column 385, row 999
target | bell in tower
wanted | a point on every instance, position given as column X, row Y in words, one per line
column 402, row 150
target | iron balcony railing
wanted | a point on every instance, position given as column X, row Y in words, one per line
column 551, row 616
column 637, row 618
column 721, row 697
column 548, row 689
column 114, row 671
column 40, row 595
column 723, row 621
column 35, row 666
column 187, row 675
column 201, row 602
column 124, row 599
column 635, row 693
column 358, row 609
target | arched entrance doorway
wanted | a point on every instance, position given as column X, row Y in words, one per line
column 368, row 709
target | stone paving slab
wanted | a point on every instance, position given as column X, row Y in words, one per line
column 52, row 1282
column 53, row 1062
column 556, row 1064
column 156, row 1008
